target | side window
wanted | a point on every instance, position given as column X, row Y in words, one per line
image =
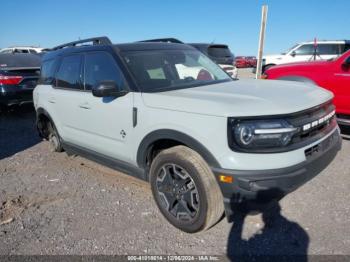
column 68, row 76
column 328, row 49
column 32, row 51
column 305, row 50
column 23, row 51
column 101, row 66
column 47, row 72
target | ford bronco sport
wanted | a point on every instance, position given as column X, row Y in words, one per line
column 206, row 144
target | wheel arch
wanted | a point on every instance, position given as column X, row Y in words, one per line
column 41, row 116
column 168, row 134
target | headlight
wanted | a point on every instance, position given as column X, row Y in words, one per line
column 260, row 135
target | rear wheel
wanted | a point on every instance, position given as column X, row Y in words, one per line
column 185, row 189
column 54, row 139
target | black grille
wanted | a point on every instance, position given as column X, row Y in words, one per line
column 314, row 133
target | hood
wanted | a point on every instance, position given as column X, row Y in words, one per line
column 305, row 65
column 241, row 98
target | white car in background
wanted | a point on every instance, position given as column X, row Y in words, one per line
column 306, row 51
column 21, row 49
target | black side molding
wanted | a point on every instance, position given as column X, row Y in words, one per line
column 105, row 160
column 134, row 116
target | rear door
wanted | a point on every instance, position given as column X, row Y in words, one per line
column 67, row 96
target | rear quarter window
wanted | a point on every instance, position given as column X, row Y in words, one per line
column 346, row 47
column 47, row 72
column 328, row 49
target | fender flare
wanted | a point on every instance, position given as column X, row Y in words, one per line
column 42, row 111
column 187, row 140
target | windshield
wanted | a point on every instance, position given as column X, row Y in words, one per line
column 165, row 70
column 290, row 49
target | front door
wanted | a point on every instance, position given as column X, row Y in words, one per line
column 105, row 123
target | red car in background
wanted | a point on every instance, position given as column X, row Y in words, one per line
column 333, row 75
column 252, row 61
column 241, row 62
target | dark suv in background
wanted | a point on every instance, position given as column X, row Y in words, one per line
column 219, row 53
column 19, row 74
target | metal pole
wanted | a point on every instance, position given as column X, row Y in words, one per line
column 261, row 41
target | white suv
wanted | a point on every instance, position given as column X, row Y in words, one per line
column 205, row 144
column 21, row 49
column 306, row 52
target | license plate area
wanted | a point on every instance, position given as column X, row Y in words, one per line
column 318, row 149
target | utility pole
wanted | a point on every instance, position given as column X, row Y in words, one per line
column 261, row 41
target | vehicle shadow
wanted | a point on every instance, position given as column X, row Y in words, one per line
column 17, row 130
column 280, row 239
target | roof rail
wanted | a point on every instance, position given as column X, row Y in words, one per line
column 102, row 40
column 165, row 40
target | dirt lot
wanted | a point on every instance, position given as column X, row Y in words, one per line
column 54, row 204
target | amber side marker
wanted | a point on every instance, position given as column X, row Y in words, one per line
column 263, row 76
column 226, row 179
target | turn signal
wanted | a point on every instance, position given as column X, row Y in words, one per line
column 226, row 179
column 263, row 76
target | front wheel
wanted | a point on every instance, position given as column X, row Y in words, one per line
column 185, row 189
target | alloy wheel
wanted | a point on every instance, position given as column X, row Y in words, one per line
column 178, row 192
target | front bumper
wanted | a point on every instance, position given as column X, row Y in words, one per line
column 258, row 187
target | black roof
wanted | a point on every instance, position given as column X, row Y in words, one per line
column 101, row 43
column 165, row 40
column 139, row 46
column 208, row 45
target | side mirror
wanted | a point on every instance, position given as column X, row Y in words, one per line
column 293, row 54
column 108, row 88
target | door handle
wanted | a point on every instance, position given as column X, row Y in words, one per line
column 52, row 100
column 85, row 106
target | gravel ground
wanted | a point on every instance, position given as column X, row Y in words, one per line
column 51, row 203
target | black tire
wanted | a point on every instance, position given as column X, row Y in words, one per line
column 54, row 138
column 179, row 173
